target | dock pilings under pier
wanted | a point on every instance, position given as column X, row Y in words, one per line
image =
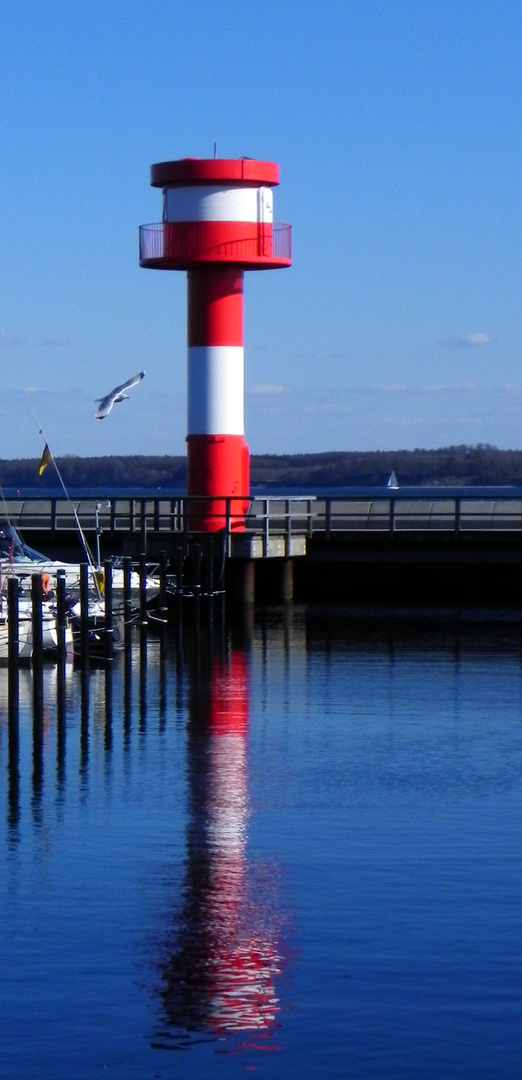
column 203, row 567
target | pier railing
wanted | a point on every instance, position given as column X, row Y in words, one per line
column 269, row 516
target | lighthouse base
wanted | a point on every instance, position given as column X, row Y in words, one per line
column 218, row 482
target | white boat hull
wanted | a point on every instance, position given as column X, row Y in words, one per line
column 23, row 561
column 25, row 638
column 25, row 568
column 25, row 632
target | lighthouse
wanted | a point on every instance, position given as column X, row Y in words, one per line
column 217, row 222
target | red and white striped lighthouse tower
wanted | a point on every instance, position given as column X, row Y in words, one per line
column 217, row 223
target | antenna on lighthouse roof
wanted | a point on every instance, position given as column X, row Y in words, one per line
column 215, row 150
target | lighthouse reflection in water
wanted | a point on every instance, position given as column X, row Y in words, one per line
column 224, row 951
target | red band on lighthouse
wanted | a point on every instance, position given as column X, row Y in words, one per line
column 215, row 306
column 215, row 442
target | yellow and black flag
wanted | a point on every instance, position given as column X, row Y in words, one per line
column 45, row 459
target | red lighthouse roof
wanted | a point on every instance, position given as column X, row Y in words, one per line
column 214, row 170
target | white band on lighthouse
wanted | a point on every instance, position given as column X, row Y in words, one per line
column 215, row 390
column 216, row 203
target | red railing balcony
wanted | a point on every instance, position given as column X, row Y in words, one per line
column 179, row 245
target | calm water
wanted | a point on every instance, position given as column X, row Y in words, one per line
column 291, row 848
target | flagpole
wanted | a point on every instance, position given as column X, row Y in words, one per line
column 73, row 508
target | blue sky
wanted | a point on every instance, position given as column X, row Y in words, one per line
column 397, row 128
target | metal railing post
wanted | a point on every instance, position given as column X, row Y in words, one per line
column 457, row 515
column 288, row 528
column 328, row 518
column 309, row 519
column 266, row 526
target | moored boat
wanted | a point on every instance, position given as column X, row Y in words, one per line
column 25, row 630
column 20, row 559
column 96, row 628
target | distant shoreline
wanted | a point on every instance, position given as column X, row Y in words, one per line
column 273, row 491
column 453, row 466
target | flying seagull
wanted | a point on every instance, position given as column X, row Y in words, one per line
column 118, row 394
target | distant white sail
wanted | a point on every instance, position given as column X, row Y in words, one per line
column 392, row 482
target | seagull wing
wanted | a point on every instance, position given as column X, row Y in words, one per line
column 104, row 407
column 126, row 385
column 117, row 394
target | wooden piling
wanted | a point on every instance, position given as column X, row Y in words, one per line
column 243, row 581
column 127, row 696
column 61, row 616
column 108, row 708
column 61, row 627
column 13, row 702
column 36, row 618
column 38, row 728
column 162, row 612
column 143, row 677
column 287, row 580
column 13, row 624
column 180, row 557
column 143, row 589
column 84, row 612
column 127, row 603
column 84, row 718
column 196, row 571
column 60, row 723
column 13, row 766
column 109, row 615
column 162, row 680
column 209, row 576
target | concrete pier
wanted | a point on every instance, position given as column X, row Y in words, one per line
column 364, row 548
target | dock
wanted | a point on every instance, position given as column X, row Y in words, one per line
column 389, row 547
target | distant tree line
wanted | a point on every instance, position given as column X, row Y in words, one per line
column 92, row 472
column 478, row 464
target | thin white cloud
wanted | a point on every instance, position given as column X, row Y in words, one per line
column 475, row 340
column 386, row 388
column 419, row 388
column 267, row 389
